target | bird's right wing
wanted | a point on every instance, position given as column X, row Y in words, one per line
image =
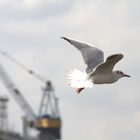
column 108, row 65
column 92, row 56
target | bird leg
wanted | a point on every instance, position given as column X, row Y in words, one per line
column 78, row 90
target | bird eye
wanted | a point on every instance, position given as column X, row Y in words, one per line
column 118, row 72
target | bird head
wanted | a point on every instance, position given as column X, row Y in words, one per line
column 119, row 74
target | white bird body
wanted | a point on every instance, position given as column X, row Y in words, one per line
column 103, row 79
column 97, row 71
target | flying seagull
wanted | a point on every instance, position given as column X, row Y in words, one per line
column 98, row 71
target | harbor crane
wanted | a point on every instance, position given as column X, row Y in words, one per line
column 48, row 121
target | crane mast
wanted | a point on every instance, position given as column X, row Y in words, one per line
column 10, row 85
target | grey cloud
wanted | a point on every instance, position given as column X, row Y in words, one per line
column 17, row 11
column 105, row 112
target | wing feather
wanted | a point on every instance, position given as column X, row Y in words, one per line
column 92, row 56
column 109, row 64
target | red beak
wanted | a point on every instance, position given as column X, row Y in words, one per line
column 125, row 75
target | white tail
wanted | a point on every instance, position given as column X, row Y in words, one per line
column 78, row 79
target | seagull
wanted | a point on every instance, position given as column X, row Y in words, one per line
column 98, row 71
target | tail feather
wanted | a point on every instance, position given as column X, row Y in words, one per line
column 78, row 79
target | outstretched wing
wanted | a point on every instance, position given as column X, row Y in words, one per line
column 109, row 64
column 92, row 56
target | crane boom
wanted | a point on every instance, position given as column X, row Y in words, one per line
column 30, row 71
column 10, row 85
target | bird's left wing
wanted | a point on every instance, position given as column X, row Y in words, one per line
column 92, row 56
column 108, row 65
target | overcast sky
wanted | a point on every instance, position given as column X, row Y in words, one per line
column 30, row 31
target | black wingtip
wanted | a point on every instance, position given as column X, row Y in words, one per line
column 66, row 39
